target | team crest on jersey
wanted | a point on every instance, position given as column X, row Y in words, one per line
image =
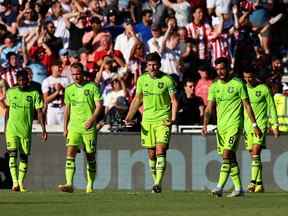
column 230, row 90
column 160, row 85
column 86, row 92
column 29, row 98
column 258, row 93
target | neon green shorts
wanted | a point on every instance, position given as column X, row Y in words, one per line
column 154, row 133
column 18, row 143
column 251, row 139
column 228, row 140
column 88, row 141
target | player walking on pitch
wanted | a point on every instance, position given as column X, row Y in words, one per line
column 157, row 92
column 21, row 102
column 262, row 104
column 230, row 96
column 83, row 104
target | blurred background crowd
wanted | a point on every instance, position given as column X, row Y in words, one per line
column 111, row 39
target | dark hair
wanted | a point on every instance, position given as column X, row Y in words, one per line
column 223, row 60
column 9, row 54
column 146, row 11
column 249, row 69
column 153, row 57
column 22, row 73
column 78, row 66
column 193, row 10
column 188, row 79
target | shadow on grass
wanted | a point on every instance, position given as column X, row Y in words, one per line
column 34, row 203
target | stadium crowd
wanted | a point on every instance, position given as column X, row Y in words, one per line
column 112, row 38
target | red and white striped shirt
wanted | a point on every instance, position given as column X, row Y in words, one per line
column 220, row 47
column 9, row 74
column 200, row 33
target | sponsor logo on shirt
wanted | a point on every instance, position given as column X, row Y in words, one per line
column 258, row 93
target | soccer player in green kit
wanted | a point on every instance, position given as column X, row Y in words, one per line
column 229, row 95
column 83, row 104
column 156, row 91
column 263, row 106
column 21, row 102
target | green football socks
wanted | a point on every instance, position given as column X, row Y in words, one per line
column 69, row 170
column 160, row 168
column 23, row 166
column 235, row 176
column 91, row 172
column 256, row 169
column 13, row 168
column 224, row 173
column 152, row 165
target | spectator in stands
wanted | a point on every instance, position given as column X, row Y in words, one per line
column 10, row 45
column 170, row 52
column 125, row 41
column 198, row 30
column 27, row 20
column 144, row 28
column 53, row 92
column 159, row 11
column 54, row 43
column 105, row 74
column 155, row 42
column 107, row 50
column 118, row 90
column 190, row 107
column 182, row 11
column 112, row 26
column 137, row 63
column 77, row 30
column 8, row 73
column 8, row 16
column 202, row 86
column 275, row 75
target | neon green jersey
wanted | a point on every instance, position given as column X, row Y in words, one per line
column 81, row 99
column 156, row 96
column 21, row 110
column 228, row 97
column 262, row 104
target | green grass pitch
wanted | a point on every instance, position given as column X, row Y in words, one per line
column 118, row 203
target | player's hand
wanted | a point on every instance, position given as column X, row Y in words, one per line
column 88, row 124
column 275, row 132
column 258, row 132
column 44, row 135
column 204, row 130
column 168, row 122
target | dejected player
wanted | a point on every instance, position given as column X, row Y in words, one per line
column 21, row 102
column 263, row 105
column 229, row 94
column 157, row 92
column 83, row 104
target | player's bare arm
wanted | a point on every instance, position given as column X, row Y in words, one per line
column 207, row 115
column 252, row 118
column 66, row 119
column 90, row 122
column 40, row 115
column 135, row 104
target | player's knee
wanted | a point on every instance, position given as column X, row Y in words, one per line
column 152, row 154
column 160, row 150
column 24, row 157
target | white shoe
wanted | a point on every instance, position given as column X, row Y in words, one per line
column 275, row 19
column 236, row 193
column 218, row 192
